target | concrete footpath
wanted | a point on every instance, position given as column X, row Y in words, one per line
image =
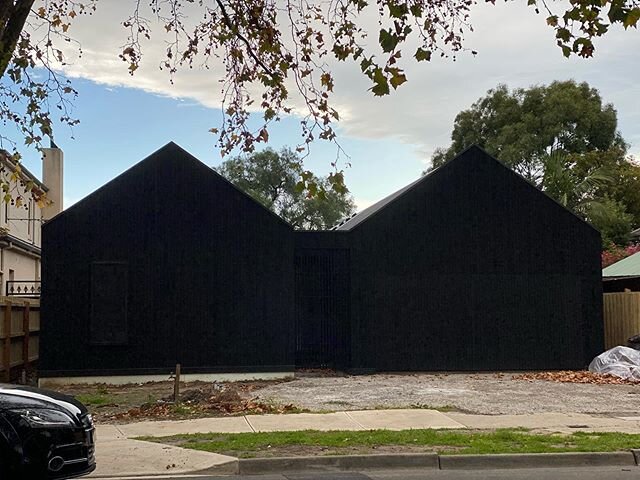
column 118, row 454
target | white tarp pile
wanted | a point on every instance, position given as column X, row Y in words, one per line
column 623, row 362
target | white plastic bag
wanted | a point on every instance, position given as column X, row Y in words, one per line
column 623, row 362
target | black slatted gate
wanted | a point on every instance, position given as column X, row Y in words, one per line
column 322, row 307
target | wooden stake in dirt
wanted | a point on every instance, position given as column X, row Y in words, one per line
column 176, row 385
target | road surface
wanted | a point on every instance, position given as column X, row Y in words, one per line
column 595, row 473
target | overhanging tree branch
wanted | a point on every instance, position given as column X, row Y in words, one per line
column 236, row 32
column 11, row 28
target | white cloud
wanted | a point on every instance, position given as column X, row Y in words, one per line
column 515, row 47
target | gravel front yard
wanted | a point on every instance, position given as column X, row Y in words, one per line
column 474, row 393
column 488, row 394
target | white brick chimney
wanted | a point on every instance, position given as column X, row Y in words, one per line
column 52, row 177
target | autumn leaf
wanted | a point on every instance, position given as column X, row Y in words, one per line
column 422, row 55
column 578, row 376
column 388, row 41
column 327, row 81
column 381, row 85
column 397, row 79
column 263, row 136
column 632, row 18
column 563, row 34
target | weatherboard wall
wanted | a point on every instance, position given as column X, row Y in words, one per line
column 208, row 272
column 474, row 269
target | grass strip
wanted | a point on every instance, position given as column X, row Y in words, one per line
column 247, row 445
column 94, row 399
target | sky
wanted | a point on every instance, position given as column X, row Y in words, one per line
column 389, row 140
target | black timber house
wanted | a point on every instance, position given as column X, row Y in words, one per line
column 467, row 268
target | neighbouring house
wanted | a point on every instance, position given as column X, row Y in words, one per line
column 21, row 220
column 622, row 275
column 468, row 268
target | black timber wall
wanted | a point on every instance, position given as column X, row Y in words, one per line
column 474, row 269
column 470, row 269
column 210, row 275
column 322, row 299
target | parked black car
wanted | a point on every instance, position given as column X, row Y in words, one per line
column 44, row 435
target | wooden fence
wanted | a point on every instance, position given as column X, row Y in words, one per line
column 19, row 331
column 621, row 317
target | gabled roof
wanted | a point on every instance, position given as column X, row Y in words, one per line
column 360, row 217
column 627, row 267
column 355, row 220
column 170, row 150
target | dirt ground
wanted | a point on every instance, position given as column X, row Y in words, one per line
column 154, row 400
column 474, row 393
column 494, row 393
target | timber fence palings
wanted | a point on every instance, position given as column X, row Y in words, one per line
column 621, row 317
column 19, row 329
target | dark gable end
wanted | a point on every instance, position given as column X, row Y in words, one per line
column 169, row 153
column 471, row 158
column 192, row 269
column 473, row 268
column 476, row 154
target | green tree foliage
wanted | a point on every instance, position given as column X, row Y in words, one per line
column 611, row 218
column 275, row 179
column 564, row 140
column 524, row 126
column 576, row 190
column 585, row 188
column 624, row 187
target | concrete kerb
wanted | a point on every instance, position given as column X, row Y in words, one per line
column 537, row 460
column 251, row 466
column 435, row 462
